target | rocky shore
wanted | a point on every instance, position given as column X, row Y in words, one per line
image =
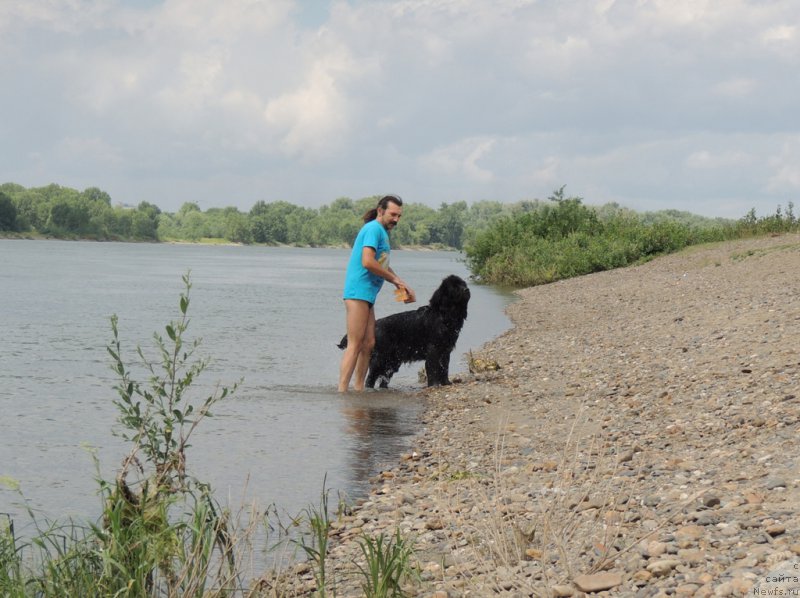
column 640, row 438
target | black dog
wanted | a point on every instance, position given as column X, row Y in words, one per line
column 428, row 333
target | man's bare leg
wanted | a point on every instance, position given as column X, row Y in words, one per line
column 362, row 364
column 360, row 320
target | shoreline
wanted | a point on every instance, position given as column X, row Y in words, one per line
column 639, row 439
column 6, row 236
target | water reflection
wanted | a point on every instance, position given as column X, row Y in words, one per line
column 380, row 424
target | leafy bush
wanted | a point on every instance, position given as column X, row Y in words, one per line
column 563, row 239
column 8, row 213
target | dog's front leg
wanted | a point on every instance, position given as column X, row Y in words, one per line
column 437, row 366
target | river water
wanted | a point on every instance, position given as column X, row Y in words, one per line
column 269, row 316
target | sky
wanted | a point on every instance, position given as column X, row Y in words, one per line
column 654, row 104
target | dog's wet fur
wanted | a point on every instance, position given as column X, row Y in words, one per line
column 427, row 334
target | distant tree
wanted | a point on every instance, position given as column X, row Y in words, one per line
column 215, row 223
column 301, row 226
column 339, row 223
column 448, row 227
column 168, row 228
column 119, row 223
column 193, row 226
column 525, row 206
column 268, row 221
column 148, row 208
column 415, row 225
column 237, row 226
column 363, row 205
column 67, row 216
column 188, row 206
column 144, row 222
column 191, row 222
column 11, row 189
column 344, row 204
column 8, row 213
column 31, row 212
column 97, row 195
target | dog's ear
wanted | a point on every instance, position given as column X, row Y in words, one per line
column 439, row 298
column 452, row 295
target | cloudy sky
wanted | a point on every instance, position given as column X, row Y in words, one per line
column 655, row 104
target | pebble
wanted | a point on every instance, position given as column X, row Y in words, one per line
column 663, row 567
column 597, row 582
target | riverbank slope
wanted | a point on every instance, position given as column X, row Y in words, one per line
column 639, row 439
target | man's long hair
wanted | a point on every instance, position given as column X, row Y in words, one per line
column 383, row 203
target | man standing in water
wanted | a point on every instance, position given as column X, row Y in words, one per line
column 367, row 269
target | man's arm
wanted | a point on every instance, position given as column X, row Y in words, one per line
column 369, row 261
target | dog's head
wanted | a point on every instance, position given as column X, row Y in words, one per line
column 451, row 297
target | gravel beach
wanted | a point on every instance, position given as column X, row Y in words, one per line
column 634, row 434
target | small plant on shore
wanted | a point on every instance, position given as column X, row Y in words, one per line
column 387, row 564
column 315, row 543
column 158, row 418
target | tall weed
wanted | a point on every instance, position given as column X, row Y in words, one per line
column 315, row 543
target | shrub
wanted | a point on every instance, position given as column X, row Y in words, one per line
column 563, row 239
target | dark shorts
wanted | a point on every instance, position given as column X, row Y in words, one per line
column 370, row 303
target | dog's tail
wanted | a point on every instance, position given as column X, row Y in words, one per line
column 343, row 343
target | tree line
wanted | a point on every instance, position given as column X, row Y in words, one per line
column 62, row 212
column 520, row 244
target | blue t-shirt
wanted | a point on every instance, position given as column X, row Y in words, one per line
column 360, row 283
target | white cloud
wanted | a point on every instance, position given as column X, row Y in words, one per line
column 737, row 87
column 654, row 102
column 779, row 34
column 213, row 22
column 785, row 167
column 196, row 83
column 683, row 12
column 546, row 173
column 705, row 159
column 78, row 151
column 471, row 167
column 70, row 16
column 461, row 158
column 312, row 119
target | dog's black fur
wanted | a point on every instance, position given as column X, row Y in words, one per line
column 428, row 333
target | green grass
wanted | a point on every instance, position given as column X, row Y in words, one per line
column 388, row 562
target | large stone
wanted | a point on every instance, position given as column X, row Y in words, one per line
column 597, row 582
